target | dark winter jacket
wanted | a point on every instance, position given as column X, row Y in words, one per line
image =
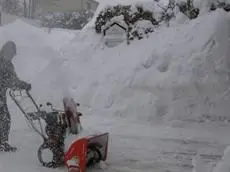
column 8, row 76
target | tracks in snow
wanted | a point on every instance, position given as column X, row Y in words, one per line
column 131, row 151
column 163, row 155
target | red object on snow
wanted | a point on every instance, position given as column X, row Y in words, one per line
column 83, row 150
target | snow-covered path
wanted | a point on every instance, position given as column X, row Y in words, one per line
column 165, row 148
column 158, row 148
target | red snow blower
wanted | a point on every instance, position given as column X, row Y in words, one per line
column 83, row 152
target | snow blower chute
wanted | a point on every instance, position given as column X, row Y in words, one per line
column 54, row 126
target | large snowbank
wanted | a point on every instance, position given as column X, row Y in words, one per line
column 189, row 64
column 178, row 73
column 146, row 80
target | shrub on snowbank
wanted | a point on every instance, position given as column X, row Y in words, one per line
column 67, row 20
column 187, row 7
column 218, row 4
column 132, row 16
column 141, row 21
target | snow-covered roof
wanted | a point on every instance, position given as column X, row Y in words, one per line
column 117, row 20
column 113, row 24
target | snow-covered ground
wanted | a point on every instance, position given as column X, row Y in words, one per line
column 164, row 100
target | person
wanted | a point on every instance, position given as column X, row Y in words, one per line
column 8, row 80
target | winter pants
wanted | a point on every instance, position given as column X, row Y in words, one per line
column 5, row 122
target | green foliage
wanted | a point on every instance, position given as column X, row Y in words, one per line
column 140, row 21
column 168, row 13
column 130, row 18
column 187, row 7
column 142, row 14
column 223, row 5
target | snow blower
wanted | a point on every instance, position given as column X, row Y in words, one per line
column 53, row 127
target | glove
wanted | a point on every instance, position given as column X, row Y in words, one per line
column 28, row 87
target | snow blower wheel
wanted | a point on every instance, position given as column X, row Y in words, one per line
column 57, row 157
column 93, row 156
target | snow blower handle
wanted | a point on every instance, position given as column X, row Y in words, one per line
column 13, row 94
column 33, row 101
column 29, row 116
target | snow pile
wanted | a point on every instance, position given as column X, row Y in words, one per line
column 180, row 72
column 143, row 27
column 188, row 70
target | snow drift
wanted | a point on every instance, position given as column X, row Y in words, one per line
column 179, row 73
column 188, row 69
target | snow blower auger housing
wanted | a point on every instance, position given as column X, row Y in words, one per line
column 58, row 123
column 87, row 151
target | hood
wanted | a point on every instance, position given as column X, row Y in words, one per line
column 8, row 50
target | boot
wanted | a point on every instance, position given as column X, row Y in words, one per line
column 6, row 147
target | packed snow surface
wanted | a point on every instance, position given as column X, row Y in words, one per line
column 151, row 96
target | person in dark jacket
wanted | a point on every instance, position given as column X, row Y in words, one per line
column 8, row 80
